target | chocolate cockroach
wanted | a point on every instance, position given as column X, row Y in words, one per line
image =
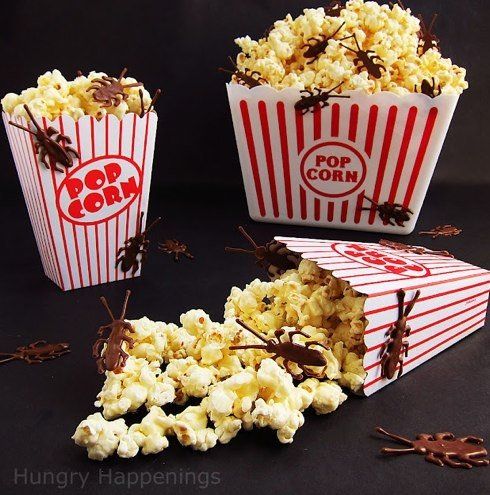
column 50, row 143
column 427, row 38
column 313, row 51
column 36, row 353
column 366, row 58
column 127, row 255
column 442, row 449
column 275, row 257
column 113, row 357
column 248, row 78
column 289, row 351
column 396, row 347
column 390, row 211
column 312, row 100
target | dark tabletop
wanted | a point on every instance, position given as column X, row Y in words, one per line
column 337, row 453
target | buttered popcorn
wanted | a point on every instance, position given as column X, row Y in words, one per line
column 55, row 96
column 238, row 389
column 391, row 32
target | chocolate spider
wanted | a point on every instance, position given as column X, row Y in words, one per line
column 175, row 247
column 110, row 91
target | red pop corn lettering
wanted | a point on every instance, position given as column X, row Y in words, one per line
column 113, row 171
column 99, row 188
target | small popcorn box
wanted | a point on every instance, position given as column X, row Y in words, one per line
column 452, row 302
column 330, row 167
column 82, row 215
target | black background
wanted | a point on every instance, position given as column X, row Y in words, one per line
column 197, row 188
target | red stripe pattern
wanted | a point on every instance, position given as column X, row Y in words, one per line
column 452, row 304
column 75, row 254
column 398, row 138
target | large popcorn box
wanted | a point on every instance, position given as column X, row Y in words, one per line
column 318, row 168
column 83, row 215
column 452, row 303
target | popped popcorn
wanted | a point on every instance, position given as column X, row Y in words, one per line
column 139, row 382
column 391, row 32
column 238, row 389
column 100, row 437
column 55, row 96
column 312, row 299
column 191, row 429
column 150, row 435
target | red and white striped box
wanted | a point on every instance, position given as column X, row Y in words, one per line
column 80, row 217
column 316, row 169
column 452, row 304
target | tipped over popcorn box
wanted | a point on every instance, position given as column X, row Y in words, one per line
column 340, row 115
column 417, row 302
column 320, row 167
column 83, row 150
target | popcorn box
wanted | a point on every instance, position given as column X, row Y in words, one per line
column 83, row 215
column 319, row 168
column 452, row 303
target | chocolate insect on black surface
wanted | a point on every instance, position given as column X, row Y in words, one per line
column 333, row 9
column 113, row 357
column 317, row 99
column 110, row 91
column 429, row 88
column 313, row 51
column 36, row 353
column 399, row 246
column 290, row 352
column 175, row 248
column 396, row 347
column 144, row 111
column 275, row 257
column 127, row 255
column 389, row 212
column 251, row 79
column 427, row 38
column 442, row 449
column 366, row 59
column 442, row 231
column 50, row 143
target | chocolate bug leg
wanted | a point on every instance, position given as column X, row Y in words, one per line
column 10, row 357
column 102, row 329
column 472, row 439
column 474, row 461
column 97, row 347
column 382, row 349
column 430, row 457
column 455, row 464
column 400, row 369
column 444, row 436
column 42, row 157
column 32, row 360
column 391, row 451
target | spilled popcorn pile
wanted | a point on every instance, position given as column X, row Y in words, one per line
column 392, row 33
column 56, row 96
column 239, row 389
